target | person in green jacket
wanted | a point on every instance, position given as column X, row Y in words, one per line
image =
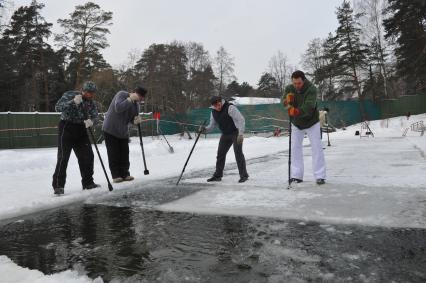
column 300, row 99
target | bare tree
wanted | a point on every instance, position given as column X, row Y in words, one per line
column 373, row 33
column 128, row 76
column 280, row 69
column 224, row 64
column 198, row 58
column 6, row 9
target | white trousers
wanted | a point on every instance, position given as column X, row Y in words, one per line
column 318, row 162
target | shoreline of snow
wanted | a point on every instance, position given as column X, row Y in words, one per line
column 16, row 273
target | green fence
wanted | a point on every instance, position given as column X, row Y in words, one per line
column 23, row 130
column 32, row 130
column 402, row 105
column 267, row 117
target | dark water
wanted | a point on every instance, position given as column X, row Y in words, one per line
column 122, row 239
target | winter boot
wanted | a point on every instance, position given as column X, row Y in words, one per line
column 295, row 180
column 58, row 191
column 243, row 179
column 129, row 178
column 91, row 186
column 117, row 180
column 320, row 181
column 214, row 179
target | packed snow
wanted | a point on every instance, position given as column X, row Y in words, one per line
column 378, row 181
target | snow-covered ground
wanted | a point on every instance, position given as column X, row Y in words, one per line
column 371, row 181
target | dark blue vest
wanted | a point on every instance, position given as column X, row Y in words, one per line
column 225, row 122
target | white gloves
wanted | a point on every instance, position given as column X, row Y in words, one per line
column 137, row 120
column 88, row 123
column 78, row 99
column 240, row 139
column 133, row 97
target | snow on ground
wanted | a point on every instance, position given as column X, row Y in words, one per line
column 19, row 274
column 26, row 174
column 376, row 181
column 254, row 100
column 371, row 181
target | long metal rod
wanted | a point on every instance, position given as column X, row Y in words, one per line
column 289, row 152
column 189, row 156
column 328, row 135
column 110, row 188
column 146, row 171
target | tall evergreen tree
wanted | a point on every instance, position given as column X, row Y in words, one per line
column 25, row 41
column 202, row 87
column 352, row 53
column 84, row 36
column 329, row 71
column 268, row 86
column 163, row 70
column 406, row 25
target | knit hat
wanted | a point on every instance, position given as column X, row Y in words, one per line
column 140, row 90
column 215, row 99
column 89, row 86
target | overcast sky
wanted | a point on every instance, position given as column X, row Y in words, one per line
column 252, row 31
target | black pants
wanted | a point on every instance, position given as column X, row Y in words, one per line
column 118, row 155
column 73, row 137
column 225, row 143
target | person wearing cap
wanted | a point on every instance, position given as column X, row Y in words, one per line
column 231, row 123
column 122, row 111
column 300, row 99
column 78, row 113
column 323, row 119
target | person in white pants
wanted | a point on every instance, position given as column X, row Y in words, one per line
column 318, row 162
column 300, row 100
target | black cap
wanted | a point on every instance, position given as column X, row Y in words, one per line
column 140, row 90
column 215, row 99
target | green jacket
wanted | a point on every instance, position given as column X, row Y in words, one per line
column 73, row 113
column 306, row 101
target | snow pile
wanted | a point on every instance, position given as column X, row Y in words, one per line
column 254, row 100
column 12, row 273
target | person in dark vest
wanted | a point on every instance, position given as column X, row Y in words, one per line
column 122, row 111
column 78, row 113
column 232, row 124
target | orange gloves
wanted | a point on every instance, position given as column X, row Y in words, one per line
column 288, row 102
column 289, row 99
column 293, row 112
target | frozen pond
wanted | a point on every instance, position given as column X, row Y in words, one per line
column 122, row 239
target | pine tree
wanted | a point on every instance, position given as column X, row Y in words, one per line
column 25, row 41
column 327, row 74
column 202, row 87
column 406, row 25
column 268, row 86
column 85, row 36
column 352, row 53
column 163, row 70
